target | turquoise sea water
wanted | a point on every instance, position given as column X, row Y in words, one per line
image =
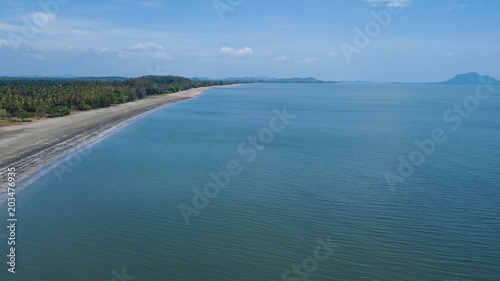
column 308, row 197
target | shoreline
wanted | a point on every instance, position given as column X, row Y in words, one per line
column 30, row 148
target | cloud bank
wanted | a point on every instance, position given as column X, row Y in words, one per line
column 230, row 52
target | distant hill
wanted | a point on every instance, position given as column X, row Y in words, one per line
column 471, row 78
column 261, row 79
column 356, row 82
column 267, row 80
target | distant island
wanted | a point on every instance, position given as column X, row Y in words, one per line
column 266, row 80
column 471, row 78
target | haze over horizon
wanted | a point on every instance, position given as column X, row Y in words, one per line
column 372, row 40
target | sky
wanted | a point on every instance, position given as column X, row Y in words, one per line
column 350, row 40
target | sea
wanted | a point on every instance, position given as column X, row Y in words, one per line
column 275, row 182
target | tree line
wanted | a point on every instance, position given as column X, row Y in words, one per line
column 32, row 97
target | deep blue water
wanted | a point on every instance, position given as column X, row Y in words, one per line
column 307, row 193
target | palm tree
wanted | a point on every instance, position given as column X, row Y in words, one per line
column 11, row 103
column 37, row 102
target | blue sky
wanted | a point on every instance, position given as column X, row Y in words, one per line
column 409, row 40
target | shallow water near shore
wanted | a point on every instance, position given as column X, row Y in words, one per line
column 69, row 158
column 313, row 170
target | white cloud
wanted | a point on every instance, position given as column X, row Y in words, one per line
column 157, row 55
column 243, row 52
column 226, row 51
column 310, row 60
column 268, row 53
column 151, row 5
column 3, row 42
column 332, row 54
column 391, row 3
column 9, row 28
column 230, row 52
column 280, row 58
column 161, row 55
column 146, row 49
column 147, row 46
column 452, row 7
column 39, row 57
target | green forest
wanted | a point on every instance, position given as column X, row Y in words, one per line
column 26, row 98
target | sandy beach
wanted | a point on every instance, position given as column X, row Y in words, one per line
column 28, row 147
